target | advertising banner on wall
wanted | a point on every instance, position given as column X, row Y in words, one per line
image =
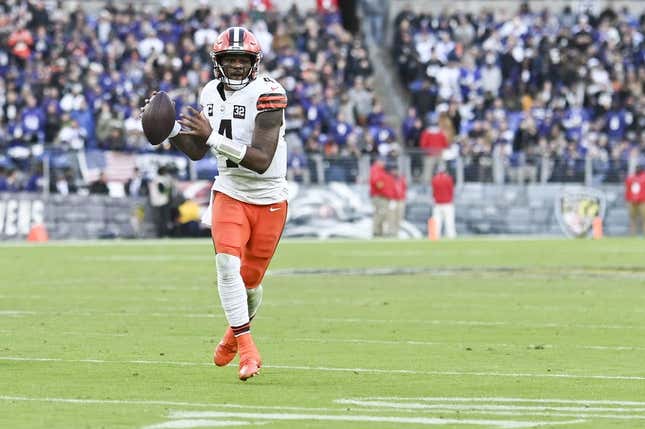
column 19, row 213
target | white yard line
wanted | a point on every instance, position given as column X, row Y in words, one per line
column 505, row 424
column 331, row 369
column 502, row 399
column 485, row 407
column 163, row 403
column 191, row 419
column 198, row 423
column 94, row 314
column 578, row 409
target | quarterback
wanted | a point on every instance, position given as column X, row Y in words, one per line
column 242, row 123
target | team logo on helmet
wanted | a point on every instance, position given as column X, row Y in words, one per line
column 576, row 209
column 236, row 41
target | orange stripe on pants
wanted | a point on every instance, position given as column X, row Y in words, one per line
column 248, row 231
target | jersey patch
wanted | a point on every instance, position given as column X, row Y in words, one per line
column 239, row 112
column 273, row 101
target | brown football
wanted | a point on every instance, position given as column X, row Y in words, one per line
column 159, row 118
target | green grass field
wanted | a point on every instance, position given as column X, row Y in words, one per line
column 381, row 334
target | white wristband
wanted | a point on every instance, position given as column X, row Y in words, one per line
column 221, row 145
column 175, row 130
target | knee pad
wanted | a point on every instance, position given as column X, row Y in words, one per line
column 227, row 265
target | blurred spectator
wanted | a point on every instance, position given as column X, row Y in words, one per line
column 525, row 151
column 161, row 191
column 63, row 183
column 4, row 184
column 99, row 186
column 326, row 6
column 265, row 38
column 137, row 184
column 400, row 191
column 433, row 142
column 378, row 195
column 188, row 219
column 444, row 209
column 362, row 100
column 15, row 180
column 21, row 43
column 375, row 12
column 52, row 123
column 71, row 135
column 35, row 181
column 635, row 197
column 132, row 131
column 106, row 121
column 298, row 166
column 32, row 121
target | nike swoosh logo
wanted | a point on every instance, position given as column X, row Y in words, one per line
column 273, row 88
column 274, row 209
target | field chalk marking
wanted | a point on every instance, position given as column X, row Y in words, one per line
column 503, row 424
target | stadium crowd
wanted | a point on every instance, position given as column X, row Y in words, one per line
column 561, row 85
column 75, row 81
column 527, row 84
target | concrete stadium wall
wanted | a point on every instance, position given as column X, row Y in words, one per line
column 73, row 216
column 514, row 209
column 345, row 209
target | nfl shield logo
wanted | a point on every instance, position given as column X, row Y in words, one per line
column 576, row 208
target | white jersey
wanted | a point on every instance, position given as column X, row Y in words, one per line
column 232, row 114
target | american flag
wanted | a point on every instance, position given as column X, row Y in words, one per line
column 118, row 166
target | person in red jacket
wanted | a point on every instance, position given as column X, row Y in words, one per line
column 433, row 141
column 635, row 197
column 443, row 189
column 397, row 197
column 378, row 195
column 21, row 43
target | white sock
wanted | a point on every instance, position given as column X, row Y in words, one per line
column 232, row 292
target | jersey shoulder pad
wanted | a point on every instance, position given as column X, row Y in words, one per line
column 208, row 90
column 271, row 95
column 268, row 84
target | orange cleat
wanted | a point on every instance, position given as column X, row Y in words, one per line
column 250, row 360
column 226, row 349
column 249, row 368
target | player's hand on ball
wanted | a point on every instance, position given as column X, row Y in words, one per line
column 194, row 123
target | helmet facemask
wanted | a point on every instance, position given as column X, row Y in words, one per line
column 245, row 79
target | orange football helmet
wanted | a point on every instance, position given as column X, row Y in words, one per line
column 236, row 41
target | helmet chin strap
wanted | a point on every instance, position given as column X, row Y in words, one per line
column 233, row 84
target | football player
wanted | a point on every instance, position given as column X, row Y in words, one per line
column 242, row 124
